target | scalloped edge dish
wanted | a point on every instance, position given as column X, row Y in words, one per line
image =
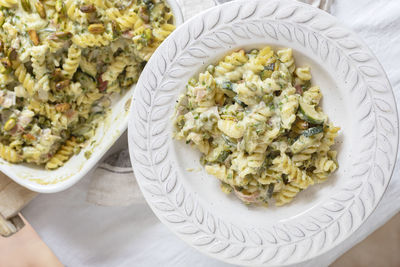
column 115, row 123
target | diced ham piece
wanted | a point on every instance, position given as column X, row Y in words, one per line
column 25, row 117
column 16, row 130
column 70, row 113
column 8, row 99
column 200, row 92
column 128, row 34
column 252, row 198
column 299, row 90
column 143, row 14
column 102, row 84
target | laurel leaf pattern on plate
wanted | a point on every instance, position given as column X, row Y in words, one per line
column 325, row 225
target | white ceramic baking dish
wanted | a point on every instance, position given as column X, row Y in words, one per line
column 38, row 179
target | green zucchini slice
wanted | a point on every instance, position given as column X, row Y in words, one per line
column 312, row 131
column 310, row 114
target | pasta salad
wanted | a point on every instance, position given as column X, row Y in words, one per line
column 256, row 119
column 61, row 61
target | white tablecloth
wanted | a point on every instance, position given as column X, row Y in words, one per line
column 83, row 234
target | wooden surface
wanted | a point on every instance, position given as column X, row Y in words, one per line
column 13, row 198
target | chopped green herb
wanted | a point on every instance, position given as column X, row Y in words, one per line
column 306, row 86
column 88, row 154
column 270, row 190
column 227, row 86
column 192, row 82
column 268, row 98
column 271, row 105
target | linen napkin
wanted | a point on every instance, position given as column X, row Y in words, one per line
column 113, row 182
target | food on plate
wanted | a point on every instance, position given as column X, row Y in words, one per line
column 61, row 61
column 257, row 120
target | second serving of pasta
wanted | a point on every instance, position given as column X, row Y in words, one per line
column 61, row 60
column 257, row 120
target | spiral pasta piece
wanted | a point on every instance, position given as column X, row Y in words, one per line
column 163, row 32
column 245, row 165
column 62, row 155
column 113, row 13
column 330, row 133
column 324, row 164
column 288, row 110
column 9, row 154
column 129, row 21
column 286, row 195
column 24, row 77
column 8, row 3
column 72, row 61
column 263, row 57
column 73, row 11
column 313, row 95
column 112, row 72
column 38, row 57
column 89, row 40
column 229, row 64
column 286, row 57
column 225, row 175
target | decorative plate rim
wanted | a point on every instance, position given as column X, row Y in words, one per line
column 324, row 226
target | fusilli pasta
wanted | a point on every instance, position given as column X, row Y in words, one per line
column 257, row 120
column 61, row 63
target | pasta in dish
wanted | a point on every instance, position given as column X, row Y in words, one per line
column 61, row 60
column 256, row 119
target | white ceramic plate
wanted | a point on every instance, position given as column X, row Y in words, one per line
column 115, row 123
column 357, row 97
